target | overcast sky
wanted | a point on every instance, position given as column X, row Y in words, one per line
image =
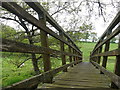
column 99, row 24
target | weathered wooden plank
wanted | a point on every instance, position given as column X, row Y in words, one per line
column 38, row 8
column 109, row 53
column 13, row 46
column 16, row 9
column 83, row 75
column 115, row 78
column 28, row 83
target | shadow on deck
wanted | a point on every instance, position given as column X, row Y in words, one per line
column 84, row 75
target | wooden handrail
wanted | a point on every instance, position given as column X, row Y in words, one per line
column 112, row 76
column 31, row 82
column 114, row 22
column 40, row 24
column 96, row 54
column 38, row 8
column 13, row 46
column 16, row 9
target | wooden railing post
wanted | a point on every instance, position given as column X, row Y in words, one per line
column 107, row 45
column 74, row 56
column 117, row 66
column 77, row 56
column 62, row 49
column 70, row 57
column 44, row 43
column 99, row 57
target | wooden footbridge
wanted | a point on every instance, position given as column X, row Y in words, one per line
column 76, row 74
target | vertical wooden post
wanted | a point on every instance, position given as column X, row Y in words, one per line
column 70, row 57
column 99, row 57
column 104, row 63
column 100, row 51
column 117, row 66
column 95, row 58
column 44, row 43
column 107, row 45
column 62, row 49
column 74, row 56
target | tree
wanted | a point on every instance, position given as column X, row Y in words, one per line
column 73, row 13
column 29, row 30
column 86, row 31
column 7, row 31
column 113, row 40
column 93, row 36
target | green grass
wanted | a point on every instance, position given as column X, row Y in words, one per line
column 86, row 48
column 11, row 74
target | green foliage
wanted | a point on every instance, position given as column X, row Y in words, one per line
column 7, row 31
column 86, row 27
column 87, row 47
column 56, row 62
column 86, row 30
column 54, row 43
column 113, row 40
column 93, row 36
column 12, row 74
column 83, row 34
column 9, row 69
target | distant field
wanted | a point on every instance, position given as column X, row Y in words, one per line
column 86, row 48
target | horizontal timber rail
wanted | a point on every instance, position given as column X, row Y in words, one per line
column 114, row 77
column 111, row 32
column 8, row 45
column 31, row 82
column 16, row 9
column 38, row 8
column 66, row 46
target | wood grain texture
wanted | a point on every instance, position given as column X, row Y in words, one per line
column 84, row 75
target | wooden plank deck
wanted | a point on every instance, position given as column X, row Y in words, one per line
column 83, row 75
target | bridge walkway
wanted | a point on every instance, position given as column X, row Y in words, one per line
column 83, row 75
